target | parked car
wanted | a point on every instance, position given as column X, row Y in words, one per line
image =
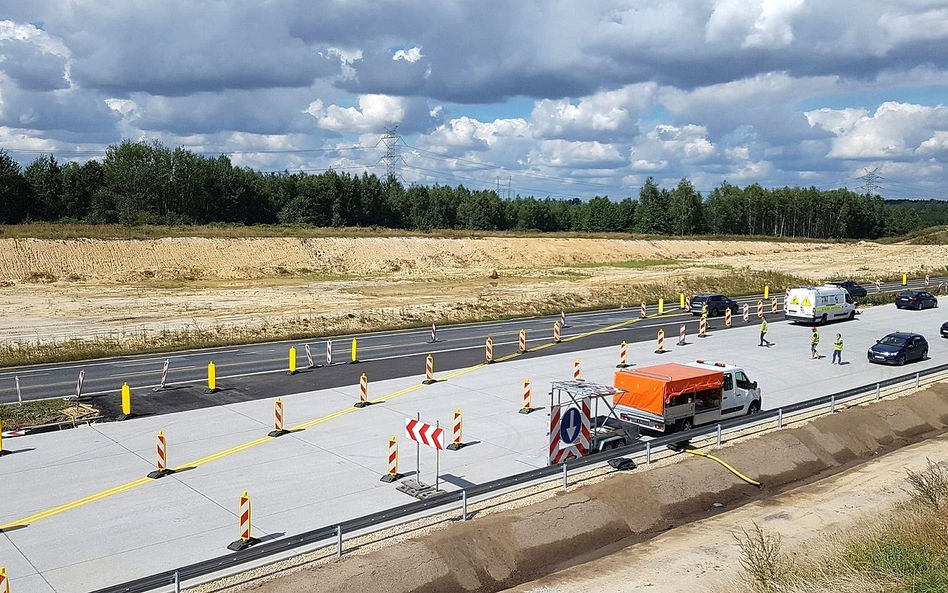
column 854, row 288
column 717, row 303
column 915, row 299
column 944, row 329
column 899, row 348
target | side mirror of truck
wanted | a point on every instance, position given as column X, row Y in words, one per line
column 754, row 385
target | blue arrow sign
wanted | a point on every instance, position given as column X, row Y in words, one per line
column 571, row 425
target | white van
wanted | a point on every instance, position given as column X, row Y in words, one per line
column 819, row 304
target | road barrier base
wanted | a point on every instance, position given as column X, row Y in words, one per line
column 210, row 391
column 455, row 446
column 292, row 372
column 160, row 473
column 159, row 388
column 125, row 417
column 277, row 433
column 362, row 404
column 528, row 410
column 661, row 351
column 429, row 381
column 242, row 544
column 622, row 366
column 356, row 361
column 389, row 478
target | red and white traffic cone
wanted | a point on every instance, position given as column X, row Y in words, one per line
column 727, row 317
column 363, row 392
column 392, row 474
column 456, row 432
column 577, row 371
column 703, row 328
column 434, row 334
column 527, row 397
column 522, row 341
column 161, row 458
column 681, row 335
column 563, row 319
column 643, row 312
column 489, row 351
column 623, row 356
column 773, row 305
column 243, row 515
column 661, row 342
column 278, row 430
column 760, row 309
column 556, row 332
column 429, row 371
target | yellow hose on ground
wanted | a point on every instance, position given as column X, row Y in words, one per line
column 725, row 464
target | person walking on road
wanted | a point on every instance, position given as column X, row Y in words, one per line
column 763, row 331
column 704, row 313
column 814, row 342
column 838, row 350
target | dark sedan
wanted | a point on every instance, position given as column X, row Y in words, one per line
column 717, row 303
column 915, row 299
column 944, row 329
column 899, row 348
column 855, row 289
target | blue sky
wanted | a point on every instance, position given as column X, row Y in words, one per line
column 548, row 97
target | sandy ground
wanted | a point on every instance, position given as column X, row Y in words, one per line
column 84, row 288
column 704, row 555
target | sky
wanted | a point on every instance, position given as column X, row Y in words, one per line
column 532, row 97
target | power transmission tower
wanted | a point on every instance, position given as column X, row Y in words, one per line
column 871, row 179
column 391, row 159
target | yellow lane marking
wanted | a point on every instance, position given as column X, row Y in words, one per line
column 250, row 444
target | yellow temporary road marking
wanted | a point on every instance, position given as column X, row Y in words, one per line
column 332, row 416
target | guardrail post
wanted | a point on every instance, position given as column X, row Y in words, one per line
column 464, row 505
column 878, row 392
column 648, row 453
column 916, row 381
column 718, row 440
column 338, row 541
column 780, row 418
column 832, row 404
column 565, row 477
column 177, row 582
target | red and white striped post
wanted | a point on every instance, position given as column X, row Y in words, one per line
column 309, row 357
column 161, row 457
column 244, row 525
column 577, row 371
column 746, row 313
column 434, row 334
column 392, row 474
column 4, row 581
column 556, row 332
column 643, row 312
column 878, row 286
column 727, row 317
column 773, row 305
column 563, row 319
column 456, row 432
column 687, row 303
column 82, row 376
column 760, row 309
column 278, row 430
column 489, row 351
column 928, row 280
column 702, row 328
column 623, row 356
column 522, row 341
column 429, row 371
column 328, row 353
column 527, row 397
column 681, row 335
column 164, row 373
column 363, row 392
column 661, row 342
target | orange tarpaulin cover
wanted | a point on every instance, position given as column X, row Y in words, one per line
column 650, row 388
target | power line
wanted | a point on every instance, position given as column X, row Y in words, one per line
column 871, row 178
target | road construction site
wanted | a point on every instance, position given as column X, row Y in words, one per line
column 90, row 482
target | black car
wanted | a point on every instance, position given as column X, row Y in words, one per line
column 899, row 348
column 717, row 303
column 855, row 289
column 944, row 329
column 915, row 299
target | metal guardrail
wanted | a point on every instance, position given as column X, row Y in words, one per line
column 335, row 531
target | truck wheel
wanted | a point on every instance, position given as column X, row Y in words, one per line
column 685, row 424
column 852, row 314
column 823, row 319
column 753, row 408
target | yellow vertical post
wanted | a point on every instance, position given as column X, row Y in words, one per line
column 126, row 400
column 681, row 300
column 355, row 350
column 661, row 306
column 1, row 434
column 904, row 279
column 4, row 582
column 292, row 360
column 766, row 292
column 211, row 377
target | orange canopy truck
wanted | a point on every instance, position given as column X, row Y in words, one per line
column 673, row 396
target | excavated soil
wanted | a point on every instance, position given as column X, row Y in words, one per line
column 502, row 550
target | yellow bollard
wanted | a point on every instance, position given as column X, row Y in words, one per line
column 681, row 300
column 904, row 279
column 355, row 351
column 292, row 360
column 661, row 306
column 4, row 582
column 211, row 378
column 766, row 292
column 1, row 436
column 126, row 400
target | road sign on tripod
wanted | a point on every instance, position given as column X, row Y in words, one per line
column 431, row 435
column 569, row 431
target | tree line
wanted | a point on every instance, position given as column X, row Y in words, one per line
column 148, row 183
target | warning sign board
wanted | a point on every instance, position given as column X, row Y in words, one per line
column 569, row 431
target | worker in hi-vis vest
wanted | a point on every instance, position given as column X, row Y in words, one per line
column 814, row 342
column 838, row 350
column 704, row 313
column 763, row 331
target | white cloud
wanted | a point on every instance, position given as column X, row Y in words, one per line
column 411, row 55
column 612, row 113
column 894, row 131
column 563, row 153
column 936, row 144
column 931, row 24
column 774, row 26
column 375, row 112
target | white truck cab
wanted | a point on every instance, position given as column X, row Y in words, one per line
column 819, row 304
column 741, row 395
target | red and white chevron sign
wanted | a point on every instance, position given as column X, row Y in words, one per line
column 569, row 431
column 424, row 433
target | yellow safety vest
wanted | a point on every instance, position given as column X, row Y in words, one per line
column 763, row 327
column 815, row 338
column 838, row 344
